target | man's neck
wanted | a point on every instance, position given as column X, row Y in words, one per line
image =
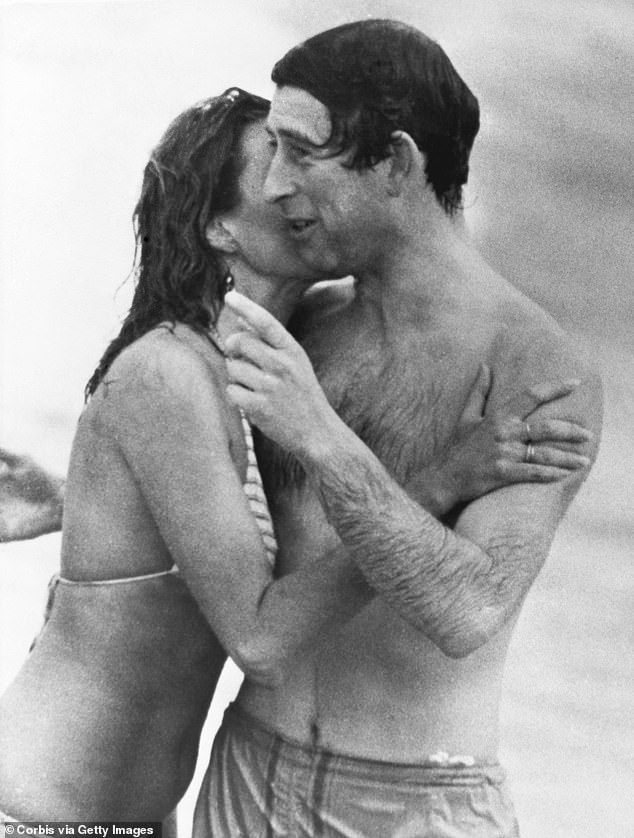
column 429, row 266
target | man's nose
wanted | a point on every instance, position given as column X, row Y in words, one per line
column 278, row 183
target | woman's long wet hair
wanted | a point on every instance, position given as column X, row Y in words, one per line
column 191, row 176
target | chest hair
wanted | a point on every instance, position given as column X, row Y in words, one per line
column 395, row 395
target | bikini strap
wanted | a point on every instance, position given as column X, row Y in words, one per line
column 254, row 491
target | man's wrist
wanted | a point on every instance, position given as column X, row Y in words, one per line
column 332, row 443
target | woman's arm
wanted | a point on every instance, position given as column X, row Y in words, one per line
column 168, row 414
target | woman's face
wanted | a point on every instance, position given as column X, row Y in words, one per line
column 258, row 227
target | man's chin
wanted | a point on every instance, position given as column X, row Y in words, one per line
column 323, row 263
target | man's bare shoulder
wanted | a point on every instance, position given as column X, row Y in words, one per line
column 531, row 349
column 530, row 342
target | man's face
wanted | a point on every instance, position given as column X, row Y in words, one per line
column 332, row 211
column 258, row 228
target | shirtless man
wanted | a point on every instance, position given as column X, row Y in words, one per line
column 389, row 726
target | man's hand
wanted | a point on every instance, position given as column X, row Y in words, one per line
column 31, row 499
column 272, row 380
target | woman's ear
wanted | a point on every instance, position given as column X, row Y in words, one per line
column 406, row 161
column 220, row 238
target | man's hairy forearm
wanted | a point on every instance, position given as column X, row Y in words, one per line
column 450, row 589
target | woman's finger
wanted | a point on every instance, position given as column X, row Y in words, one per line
column 558, row 430
column 533, row 473
column 527, row 401
column 545, row 455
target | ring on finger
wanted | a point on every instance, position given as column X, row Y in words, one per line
column 529, row 456
column 528, row 431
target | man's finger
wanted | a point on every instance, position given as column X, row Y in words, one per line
column 251, row 347
column 246, row 400
column 258, row 319
column 244, row 374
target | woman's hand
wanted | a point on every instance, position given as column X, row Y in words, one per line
column 489, row 450
column 31, row 499
column 272, row 380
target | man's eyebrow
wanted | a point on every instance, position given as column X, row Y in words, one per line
column 293, row 134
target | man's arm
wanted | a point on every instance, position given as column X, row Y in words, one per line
column 459, row 586
column 31, row 499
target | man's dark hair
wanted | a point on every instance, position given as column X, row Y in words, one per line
column 191, row 176
column 380, row 76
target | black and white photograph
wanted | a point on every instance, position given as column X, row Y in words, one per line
column 316, row 411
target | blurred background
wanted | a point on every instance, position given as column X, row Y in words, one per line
column 86, row 89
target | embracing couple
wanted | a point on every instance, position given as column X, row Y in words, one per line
column 419, row 431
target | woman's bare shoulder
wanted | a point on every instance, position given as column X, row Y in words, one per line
column 167, row 371
column 166, row 357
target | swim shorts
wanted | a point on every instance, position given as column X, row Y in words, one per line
column 262, row 785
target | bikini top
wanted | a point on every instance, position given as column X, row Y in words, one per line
column 253, row 484
column 254, row 491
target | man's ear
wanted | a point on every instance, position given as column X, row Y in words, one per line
column 220, row 238
column 406, row 161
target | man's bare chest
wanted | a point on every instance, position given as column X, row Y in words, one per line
column 400, row 393
column 394, row 399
